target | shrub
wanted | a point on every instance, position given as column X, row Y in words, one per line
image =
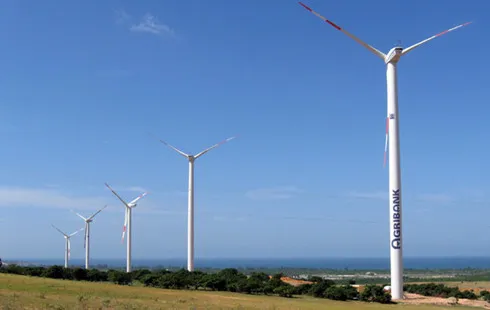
column 318, row 289
column 80, row 274
column 119, row 277
column 284, row 291
column 335, row 293
column 374, row 293
column 55, row 272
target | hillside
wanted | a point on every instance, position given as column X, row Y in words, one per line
column 21, row 292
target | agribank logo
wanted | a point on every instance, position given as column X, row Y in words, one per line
column 397, row 230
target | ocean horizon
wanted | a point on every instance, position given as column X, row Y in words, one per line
column 367, row 263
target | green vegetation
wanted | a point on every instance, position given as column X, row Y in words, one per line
column 441, row 290
column 230, row 280
column 23, row 292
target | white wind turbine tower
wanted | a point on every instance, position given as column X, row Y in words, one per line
column 127, row 223
column 190, row 211
column 392, row 130
column 67, row 246
column 86, row 243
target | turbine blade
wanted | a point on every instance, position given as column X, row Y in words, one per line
column 76, row 232
column 134, row 201
column 93, row 215
column 59, row 230
column 125, row 223
column 411, row 48
column 85, row 236
column 79, row 215
column 119, row 197
column 369, row 47
column 214, row 146
column 175, row 149
column 386, row 140
column 69, row 247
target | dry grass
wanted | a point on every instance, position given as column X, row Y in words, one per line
column 19, row 292
column 476, row 286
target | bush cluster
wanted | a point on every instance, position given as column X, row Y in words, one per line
column 485, row 295
column 440, row 290
column 225, row 280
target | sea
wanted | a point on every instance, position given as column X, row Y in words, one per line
column 306, row 263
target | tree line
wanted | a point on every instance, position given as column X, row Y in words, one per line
column 229, row 279
column 440, row 290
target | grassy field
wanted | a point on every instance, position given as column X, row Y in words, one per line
column 20, row 292
column 476, row 286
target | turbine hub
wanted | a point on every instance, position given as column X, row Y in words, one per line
column 394, row 55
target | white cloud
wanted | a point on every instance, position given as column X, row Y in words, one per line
column 380, row 195
column 47, row 198
column 273, row 193
column 435, row 198
column 51, row 185
column 151, row 24
column 122, row 17
column 136, row 189
column 223, row 218
column 11, row 197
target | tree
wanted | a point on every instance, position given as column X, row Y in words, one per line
column 95, row 275
column 150, row 280
column 80, row 274
column 302, row 289
column 284, row 291
column 119, row 277
column 335, row 293
column 318, row 289
column 214, row 282
column 138, row 274
column 232, row 277
column 374, row 293
column 315, row 279
column 55, row 272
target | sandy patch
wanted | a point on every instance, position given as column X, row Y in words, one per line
column 419, row 299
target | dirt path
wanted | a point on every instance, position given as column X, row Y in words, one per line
column 419, row 299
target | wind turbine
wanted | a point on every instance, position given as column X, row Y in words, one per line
column 392, row 130
column 190, row 211
column 127, row 223
column 86, row 243
column 67, row 246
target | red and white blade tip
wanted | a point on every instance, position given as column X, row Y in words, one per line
column 454, row 28
column 326, row 20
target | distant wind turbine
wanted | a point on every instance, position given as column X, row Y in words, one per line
column 127, row 223
column 392, row 144
column 86, row 243
column 190, row 211
column 67, row 246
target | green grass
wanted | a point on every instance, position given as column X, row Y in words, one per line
column 20, row 292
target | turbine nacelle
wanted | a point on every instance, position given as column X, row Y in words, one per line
column 394, row 55
column 190, row 157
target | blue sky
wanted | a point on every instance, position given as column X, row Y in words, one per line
column 84, row 83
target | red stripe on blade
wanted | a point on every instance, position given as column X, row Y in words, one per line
column 334, row 25
column 305, row 6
